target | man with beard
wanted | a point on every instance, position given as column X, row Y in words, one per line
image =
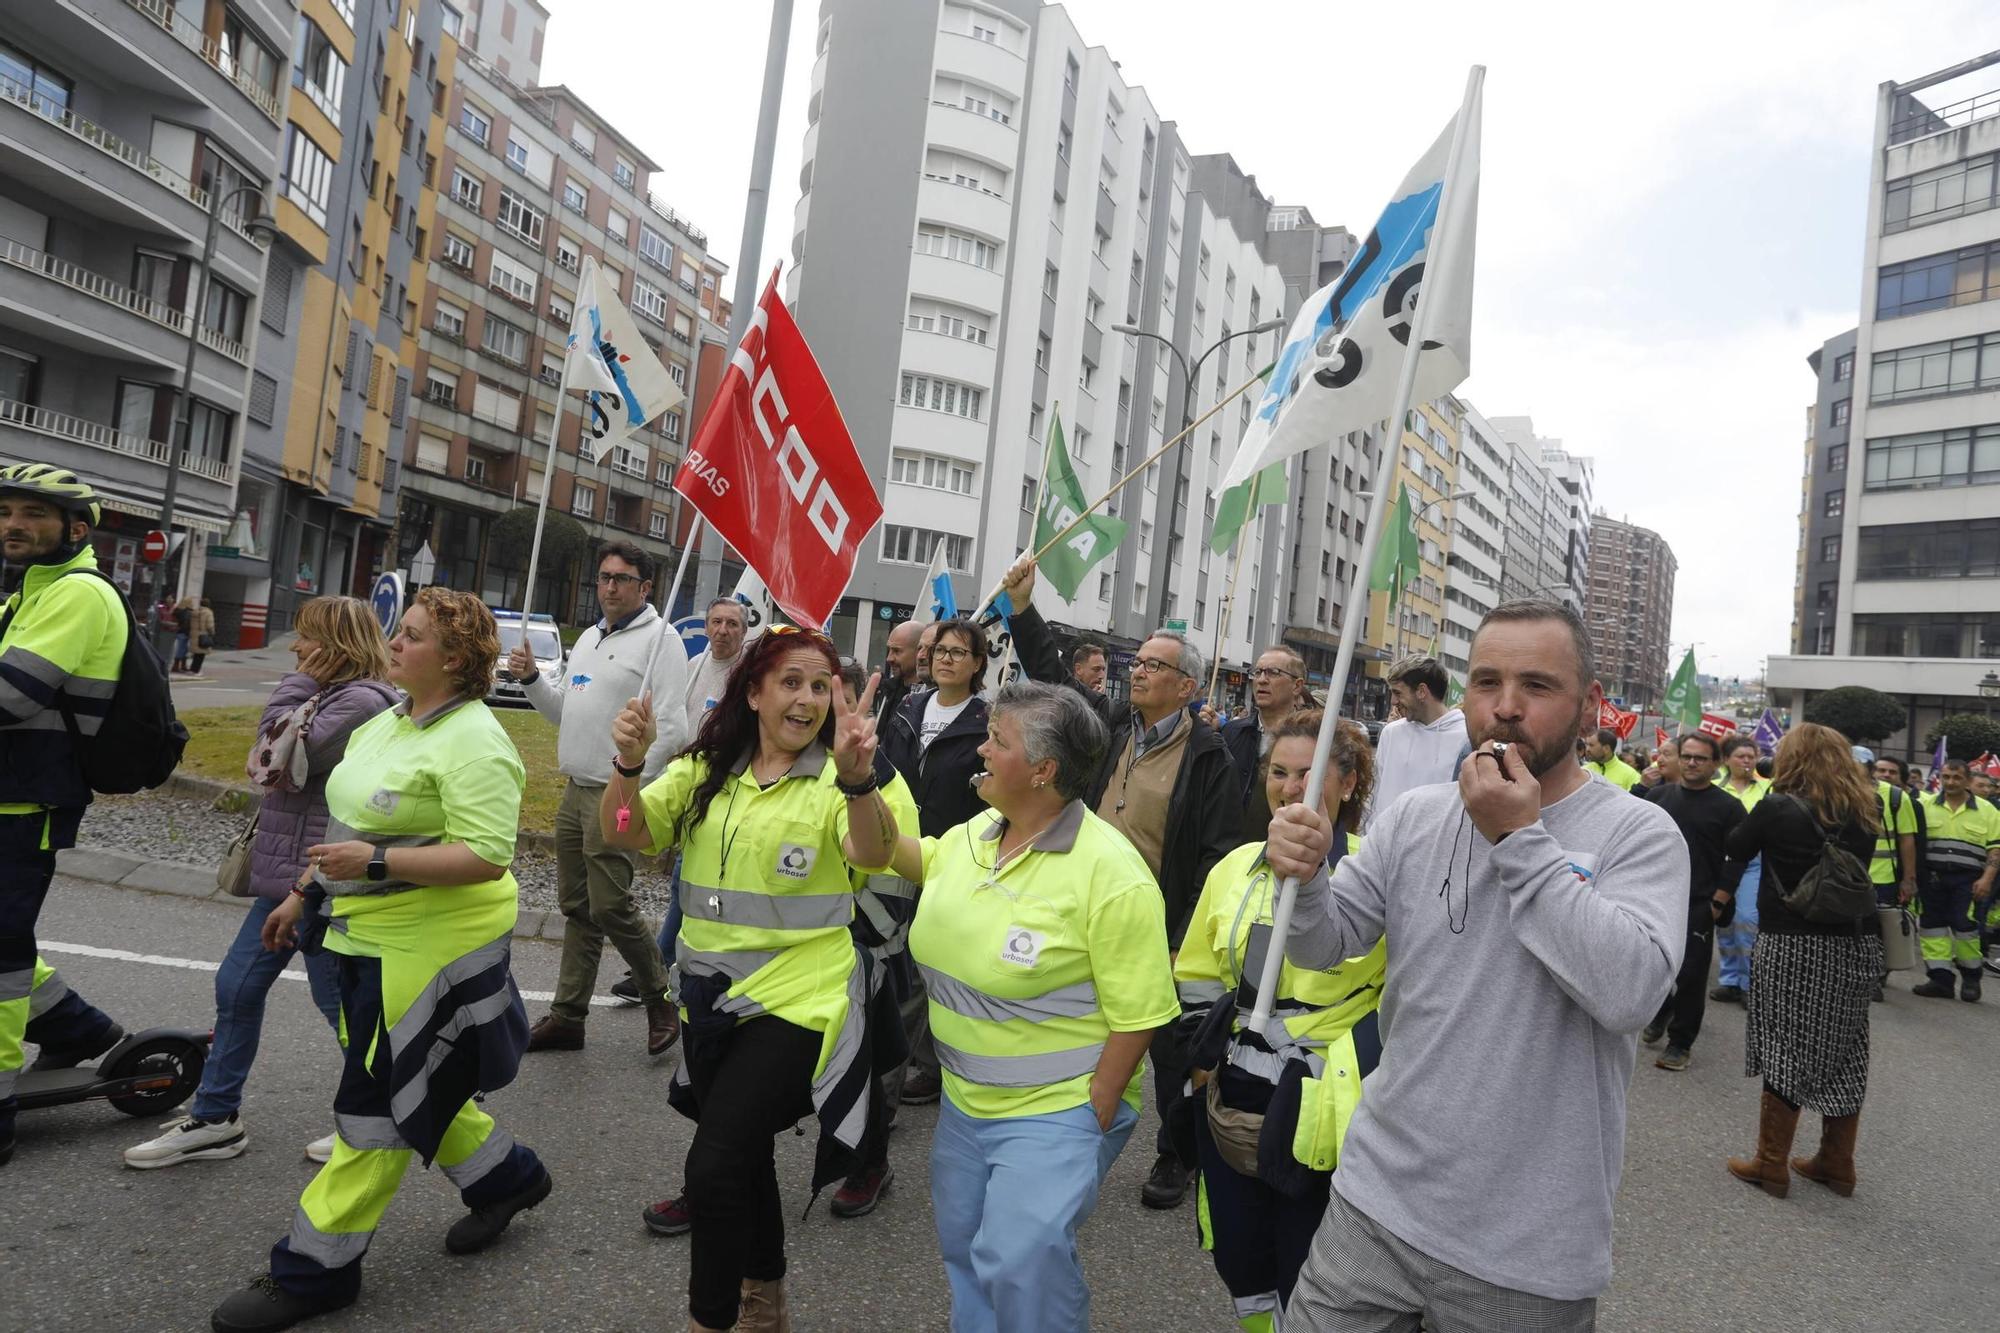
column 1538, row 917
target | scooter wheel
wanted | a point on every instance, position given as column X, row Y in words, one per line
column 174, row 1058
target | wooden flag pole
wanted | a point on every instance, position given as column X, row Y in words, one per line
column 1229, row 597
column 1119, row 485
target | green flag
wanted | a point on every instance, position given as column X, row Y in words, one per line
column 1454, row 694
column 1397, row 554
column 1683, row 699
column 1062, row 500
column 1233, row 509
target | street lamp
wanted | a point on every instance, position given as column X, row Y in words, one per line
column 261, row 228
column 1188, row 384
column 1989, row 690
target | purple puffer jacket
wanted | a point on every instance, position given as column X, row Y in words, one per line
column 291, row 821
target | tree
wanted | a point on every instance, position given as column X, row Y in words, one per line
column 1966, row 735
column 1862, row 715
column 565, row 543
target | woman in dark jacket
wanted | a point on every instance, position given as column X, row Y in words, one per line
column 939, row 769
column 343, row 664
column 1807, row 1032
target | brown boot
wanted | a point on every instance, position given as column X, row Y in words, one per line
column 764, row 1309
column 696, row 1326
column 663, row 1026
column 1776, row 1123
column 1833, row 1165
column 555, row 1034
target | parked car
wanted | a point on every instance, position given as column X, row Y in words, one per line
column 543, row 641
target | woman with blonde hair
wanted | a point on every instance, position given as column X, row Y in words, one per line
column 341, row 681
column 1807, row 1033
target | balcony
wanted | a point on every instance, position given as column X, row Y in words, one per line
column 688, row 229
column 63, row 426
column 1914, row 120
column 171, row 21
column 65, row 122
column 102, row 289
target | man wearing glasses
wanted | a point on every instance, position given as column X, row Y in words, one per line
column 1169, row 785
column 1277, row 690
column 594, row 882
column 1704, row 813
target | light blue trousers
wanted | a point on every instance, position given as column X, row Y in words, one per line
column 1009, row 1196
column 1735, row 941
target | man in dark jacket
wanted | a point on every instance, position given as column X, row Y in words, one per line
column 1277, row 690
column 1168, row 785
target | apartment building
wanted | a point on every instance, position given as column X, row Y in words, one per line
column 531, row 183
column 1474, row 564
column 1629, row 608
column 124, row 124
column 1427, row 472
column 1822, row 523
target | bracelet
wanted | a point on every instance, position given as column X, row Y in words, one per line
column 625, row 772
column 859, row 789
column 298, row 892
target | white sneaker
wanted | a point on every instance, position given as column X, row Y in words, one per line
column 189, row 1140
column 320, row 1150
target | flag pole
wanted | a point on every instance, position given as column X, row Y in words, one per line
column 1229, row 597
column 542, row 507
column 1041, row 493
column 1378, row 504
column 1119, row 485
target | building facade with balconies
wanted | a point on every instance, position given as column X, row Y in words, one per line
column 1474, row 565
column 1629, row 608
column 122, row 123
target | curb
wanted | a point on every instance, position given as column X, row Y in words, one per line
column 122, row 870
column 239, row 798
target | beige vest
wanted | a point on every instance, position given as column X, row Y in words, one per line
column 1136, row 799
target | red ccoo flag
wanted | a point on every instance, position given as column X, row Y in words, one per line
column 775, row 471
column 1612, row 716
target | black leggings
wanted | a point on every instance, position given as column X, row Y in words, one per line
column 761, row 1083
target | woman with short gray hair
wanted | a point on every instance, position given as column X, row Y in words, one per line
column 1042, row 940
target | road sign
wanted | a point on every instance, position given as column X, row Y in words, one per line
column 154, row 549
column 1178, row 626
column 422, row 565
column 225, row 553
column 387, row 599
column 694, row 633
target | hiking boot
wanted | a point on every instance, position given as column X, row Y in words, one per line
column 555, row 1034
column 264, row 1307
column 190, row 1140
column 1727, row 995
column 663, row 1027
column 1167, row 1185
column 922, row 1086
column 858, row 1197
column 625, row 990
column 763, row 1308
column 1968, row 984
column 669, row 1217
column 69, row 1057
column 1654, row 1031
column 1939, row 987
column 1674, row 1059
column 482, row 1226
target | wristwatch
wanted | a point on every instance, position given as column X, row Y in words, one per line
column 378, row 865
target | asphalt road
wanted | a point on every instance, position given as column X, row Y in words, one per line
column 88, row 1245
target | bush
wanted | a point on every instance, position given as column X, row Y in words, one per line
column 1966, row 736
column 1864, row 716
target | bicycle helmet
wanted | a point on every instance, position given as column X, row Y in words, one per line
column 58, row 485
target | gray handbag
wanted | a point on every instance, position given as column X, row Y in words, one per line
column 233, row 875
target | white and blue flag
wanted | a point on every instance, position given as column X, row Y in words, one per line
column 936, row 600
column 605, row 355
column 1337, row 369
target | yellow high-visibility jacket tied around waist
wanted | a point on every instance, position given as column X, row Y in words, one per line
column 766, row 901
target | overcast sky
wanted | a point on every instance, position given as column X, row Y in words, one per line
column 1671, row 209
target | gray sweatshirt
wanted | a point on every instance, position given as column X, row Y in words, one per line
column 1492, row 1134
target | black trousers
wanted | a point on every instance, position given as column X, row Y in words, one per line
column 1684, row 1007
column 1169, row 1086
column 760, row 1085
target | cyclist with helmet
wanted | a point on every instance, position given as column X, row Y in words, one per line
column 61, row 643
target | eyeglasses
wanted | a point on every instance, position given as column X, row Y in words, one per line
column 950, row 654
column 1152, row 666
column 1273, row 673
column 619, row 580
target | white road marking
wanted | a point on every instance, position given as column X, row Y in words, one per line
column 199, row 965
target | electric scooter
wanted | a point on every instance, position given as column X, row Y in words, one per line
column 145, row 1074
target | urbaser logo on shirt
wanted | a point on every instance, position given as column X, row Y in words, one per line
column 796, row 862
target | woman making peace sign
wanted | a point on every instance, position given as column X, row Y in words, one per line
column 771, row 806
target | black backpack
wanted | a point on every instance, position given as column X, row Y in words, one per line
column 1835, row 890
column 139, row 745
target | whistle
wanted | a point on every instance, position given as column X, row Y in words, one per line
column 624, row 819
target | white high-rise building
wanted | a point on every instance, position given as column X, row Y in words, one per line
column 984, row 198
column 1475, row 568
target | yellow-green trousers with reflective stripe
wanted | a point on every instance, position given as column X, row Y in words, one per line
column 1946, row 930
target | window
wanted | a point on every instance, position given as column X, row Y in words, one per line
column 440, row 389
column 226, row 312
column 940, row 395
column 962, row 246
column 1841, row 411
column 1965, row 456
column 1088, row 380
column 308, row 174
column 1970, row 634
column 474, row 124
column 625, row 173
column 450, row 321
column 583, row 500
column 1063, row 143
column 1093, row 308
column 688, row 275
column 242, row 55
column 512, row 279
column 552, row 368
column 458, row 252
column 942, row 474
column 1834, row 503
column 466, row 188
column 670, row 425
column 208, row 432
column 583, row 138
column 30, row 80
column 475, row 469
column 1961, row 365
column 1051, row 282
column 318, row 68
column 656, row 525
column 1957, row 277
column 517, row 155
column 949, row 320
column 1829, row 550
column 677, row 373
column 1944, row 192
column 663, row 471
column 1962, row 548
column 520, row 217
column 914, row 546
column 1139, row 598
column 1843, row 366
column 569, row 253
column 618, row 227
column 1069, row 73
column 1836, row 458
column 1041, row 351
column 649, row 301
column 492, row 403
column 504, row 340
column 561, row 309
column 655, row 247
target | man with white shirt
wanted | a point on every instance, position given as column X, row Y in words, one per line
column 708, row 672
column 606, row 668
column 1424, row 745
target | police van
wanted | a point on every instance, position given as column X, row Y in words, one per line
column 543, row 641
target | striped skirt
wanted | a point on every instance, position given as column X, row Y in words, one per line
column 1807, row 1035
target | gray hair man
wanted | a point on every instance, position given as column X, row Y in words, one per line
column 1168, row 784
